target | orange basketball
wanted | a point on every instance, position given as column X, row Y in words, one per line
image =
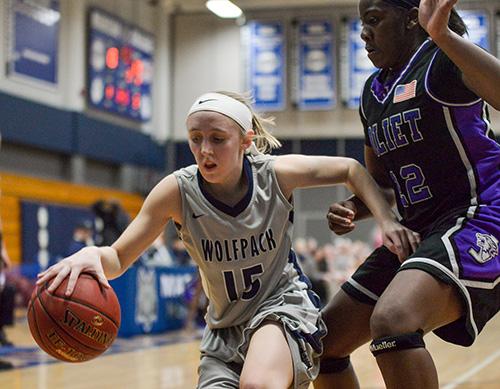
column 75, row 328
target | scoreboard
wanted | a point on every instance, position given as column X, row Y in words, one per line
column 120, row 64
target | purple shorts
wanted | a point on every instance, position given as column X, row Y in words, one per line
column 462, row 252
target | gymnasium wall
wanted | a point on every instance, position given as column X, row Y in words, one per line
column 16, row 189
column 49, row 132
column 70, row 93
column 208, row 55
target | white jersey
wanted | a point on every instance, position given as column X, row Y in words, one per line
column 244, row 251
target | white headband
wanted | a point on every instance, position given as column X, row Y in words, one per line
column 225, row 105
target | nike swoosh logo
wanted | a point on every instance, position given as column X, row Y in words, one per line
column 204, row 101
column 197, row 216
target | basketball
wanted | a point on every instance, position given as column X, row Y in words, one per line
column 74, row 328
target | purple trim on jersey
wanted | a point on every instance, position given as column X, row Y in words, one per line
column 242, row 204
column 432, row 95
column 476, row 245
column 483, row 152
column 381, row 90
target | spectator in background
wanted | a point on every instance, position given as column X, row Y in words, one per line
column 114, row 220
column 312, row 246
column 158, row 254
column 4, row 262
column 180, row 253
column 305, row 258
column 320, row 258
column 7, row 296
column 82, row 237
column 309, row 266
column 198, row 303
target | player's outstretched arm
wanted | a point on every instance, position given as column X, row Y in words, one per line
column 163, row 203
column 482, row 74
column 105, row 263
column 353, row 207
column 300, row 171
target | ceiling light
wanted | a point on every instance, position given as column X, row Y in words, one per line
column 224, row 8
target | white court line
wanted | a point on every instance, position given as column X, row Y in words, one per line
column 464, row 377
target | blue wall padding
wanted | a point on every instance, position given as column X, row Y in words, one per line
column 355, row 148
column 28, row 123
column 319, row 147
column 111, row 143
column 35, row 125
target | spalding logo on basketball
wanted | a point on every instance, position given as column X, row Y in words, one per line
column 75, row 328
column 97, row 321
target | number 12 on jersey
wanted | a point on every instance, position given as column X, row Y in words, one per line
column 415, row 190
column 251, row 282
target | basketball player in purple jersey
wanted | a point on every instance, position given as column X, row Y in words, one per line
column 429, row 145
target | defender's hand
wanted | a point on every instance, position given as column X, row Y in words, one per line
column 340, row 216
column 400, row 240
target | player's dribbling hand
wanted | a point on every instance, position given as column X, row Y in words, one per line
column 399, row 240
column 86, row 260
column 340, row 216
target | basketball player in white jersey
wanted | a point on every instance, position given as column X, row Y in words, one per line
column 234, row 212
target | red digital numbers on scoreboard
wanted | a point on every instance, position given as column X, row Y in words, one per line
column 122, row 96
column 112, row 58
column 120, row 66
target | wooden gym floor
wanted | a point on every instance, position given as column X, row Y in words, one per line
column 169, row 361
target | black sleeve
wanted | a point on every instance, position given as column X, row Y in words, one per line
column 365, row 125
column 445, row 81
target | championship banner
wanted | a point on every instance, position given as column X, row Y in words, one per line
column 119, row 67
column 356, row 67
column 33, row 40
column 316, row 76
column 266, row 59
column 478, row 27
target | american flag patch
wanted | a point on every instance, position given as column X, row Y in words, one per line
column 405, row 92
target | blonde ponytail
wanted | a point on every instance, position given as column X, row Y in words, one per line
column 264, row 140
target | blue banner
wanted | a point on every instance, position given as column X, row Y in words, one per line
column 356, row 65
column 478, row 27
column 34, row 40
column 154, row 299
column 47, row 232
column 119, row 67
column 316, row 81
column 266, row 60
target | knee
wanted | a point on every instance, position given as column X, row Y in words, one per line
column 339, row 343
column 334, row 350
column 393, row 319
column 253, row 383
column 264, row 380
column 334, row 365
